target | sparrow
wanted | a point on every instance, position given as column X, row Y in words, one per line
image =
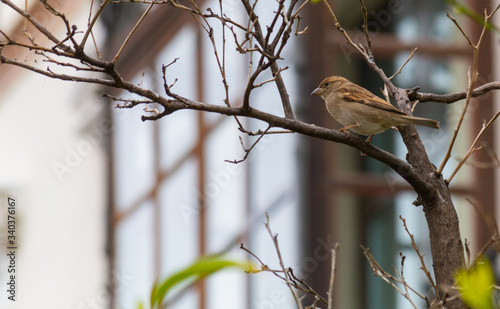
column 362, row 112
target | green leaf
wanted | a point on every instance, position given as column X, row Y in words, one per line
column 476, row 285
column 465, row 10
column 199, row 269
column 315, row 1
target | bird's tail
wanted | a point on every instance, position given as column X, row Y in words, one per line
column 423, row 122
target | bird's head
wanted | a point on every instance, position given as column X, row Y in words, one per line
column 329, row 85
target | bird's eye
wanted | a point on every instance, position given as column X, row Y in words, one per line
column 327, row 84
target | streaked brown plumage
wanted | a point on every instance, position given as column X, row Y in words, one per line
column 360, row 111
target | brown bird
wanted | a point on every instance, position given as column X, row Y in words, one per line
column 362, row 112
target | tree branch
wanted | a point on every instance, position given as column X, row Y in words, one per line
column 282, row 264
column 453, row 97
column 471, row 82
column 473, row 147
column 332, row 275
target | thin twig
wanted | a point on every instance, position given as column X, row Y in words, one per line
column 473, row 147
column 365, row 52
column 92, row 23
column 365, row 29
column 306, row 288
column 491, row 153
column 271, row 79
column 242, row 247
column 420, row 256
column 492, row 225
column 342, row 30
column 128, row 102
column 402, row 277
column 71, row 65
column 390, row 279
column 247, row 150
column 481, row 253
column 92, row 32
column 332, row 275
column 260, row 132
column 282, row 264
column 461, row 30
column 127, row 39
column 467, row 251
column 296, row 14
column 403, row 65
column 34, row 22
column 471, row 82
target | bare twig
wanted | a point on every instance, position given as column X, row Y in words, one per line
column 297, row 283
column 402, row 277
column 282, row 264
column 474, row 46
column 92, row 31
column 140, row 1
column 365, row 29
column 492, row 226
column 129, row 35
column 342, row 30
column 420, row 256
column 34, row 22
column 242, row 247
column 247, row 150
column 92, row 23
column 304, row 287
column 71, row 65
column 332, row 275
column 128, row 103
column 70, row 31
column 472, row 79
column 467, row 251
column 403, row 65
column 491, row 153
column 271, row 79
column 390, row 279
column 473, row 147
column 260, row 132
column 365, row 52
column 296, row 14
column 494, row 239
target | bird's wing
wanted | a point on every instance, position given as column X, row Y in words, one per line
column 363, row 96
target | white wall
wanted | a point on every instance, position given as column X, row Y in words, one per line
column 52, row 161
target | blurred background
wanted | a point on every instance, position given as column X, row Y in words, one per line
column 107, row 203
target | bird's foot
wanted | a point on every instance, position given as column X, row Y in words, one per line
column 344, row 129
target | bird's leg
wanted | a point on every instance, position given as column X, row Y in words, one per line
column 369, row 139
column 344, row 129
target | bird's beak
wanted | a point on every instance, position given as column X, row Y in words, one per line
column 317, row 91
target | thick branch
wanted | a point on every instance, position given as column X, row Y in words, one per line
column 453, row 97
